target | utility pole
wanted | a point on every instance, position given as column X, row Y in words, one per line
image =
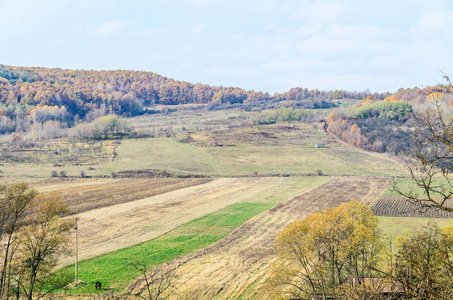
column 76, row 254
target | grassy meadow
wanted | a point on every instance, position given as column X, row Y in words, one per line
column 394, row 227
column 170, row 155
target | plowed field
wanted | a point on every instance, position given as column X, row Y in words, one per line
column 239, row 265
column 398, row 206
column 83, row 195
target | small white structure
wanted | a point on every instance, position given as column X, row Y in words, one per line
column 320, row 145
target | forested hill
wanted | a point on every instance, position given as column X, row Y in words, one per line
column 129, row 92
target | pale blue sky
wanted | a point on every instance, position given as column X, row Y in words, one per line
column 265, row 45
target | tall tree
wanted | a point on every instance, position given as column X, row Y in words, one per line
column 423, row 266
column 323, row 251
column 430, row 170
column 15, row 203
column 42, row 241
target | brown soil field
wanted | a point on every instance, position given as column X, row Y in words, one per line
column 239, row 265
column 397, row 206
column 121, row 225
column 83, row 195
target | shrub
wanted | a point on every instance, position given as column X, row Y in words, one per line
column 282, row 114
column 106, row 127
column 392, row 110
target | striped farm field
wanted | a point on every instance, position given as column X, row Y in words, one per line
column 397, row 206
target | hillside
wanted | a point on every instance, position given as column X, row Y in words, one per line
column 35, row 95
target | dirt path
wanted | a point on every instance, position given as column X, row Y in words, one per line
column 110, row 228
column 239, row 264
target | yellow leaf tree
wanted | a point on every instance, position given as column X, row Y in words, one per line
column 326, row 250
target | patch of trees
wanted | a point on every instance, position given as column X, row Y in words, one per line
column 390, row 125
column 378, row 135
column 102, row 128
column 391, row 110
column 375, row 125
column 33, row 235
column 125, row 92
column 283, row 114
column 274, row 104
column 299, row 93
column 340, row 253
column 420, row 95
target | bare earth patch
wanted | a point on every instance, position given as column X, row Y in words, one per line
column 239, row 265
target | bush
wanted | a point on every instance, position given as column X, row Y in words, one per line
column 282, row 114
column 54, row 174
column 392, row 110
column 106, row 127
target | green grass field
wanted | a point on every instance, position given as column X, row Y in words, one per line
column 406, row 184
column 170, row 155
column 114, row 270
column 393, row 227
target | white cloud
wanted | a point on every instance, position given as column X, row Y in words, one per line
column 203, row 3
column 325, row 45
column 196, row 28
column 360, row 31
column 436, row 20
column 108, row 28
column 282, row 46
column 298, row 64
column 152, row 59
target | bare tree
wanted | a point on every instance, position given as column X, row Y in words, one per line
column 432, row 163
column 43, row 239
column 157, row 282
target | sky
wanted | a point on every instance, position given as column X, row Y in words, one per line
column 264, row 45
